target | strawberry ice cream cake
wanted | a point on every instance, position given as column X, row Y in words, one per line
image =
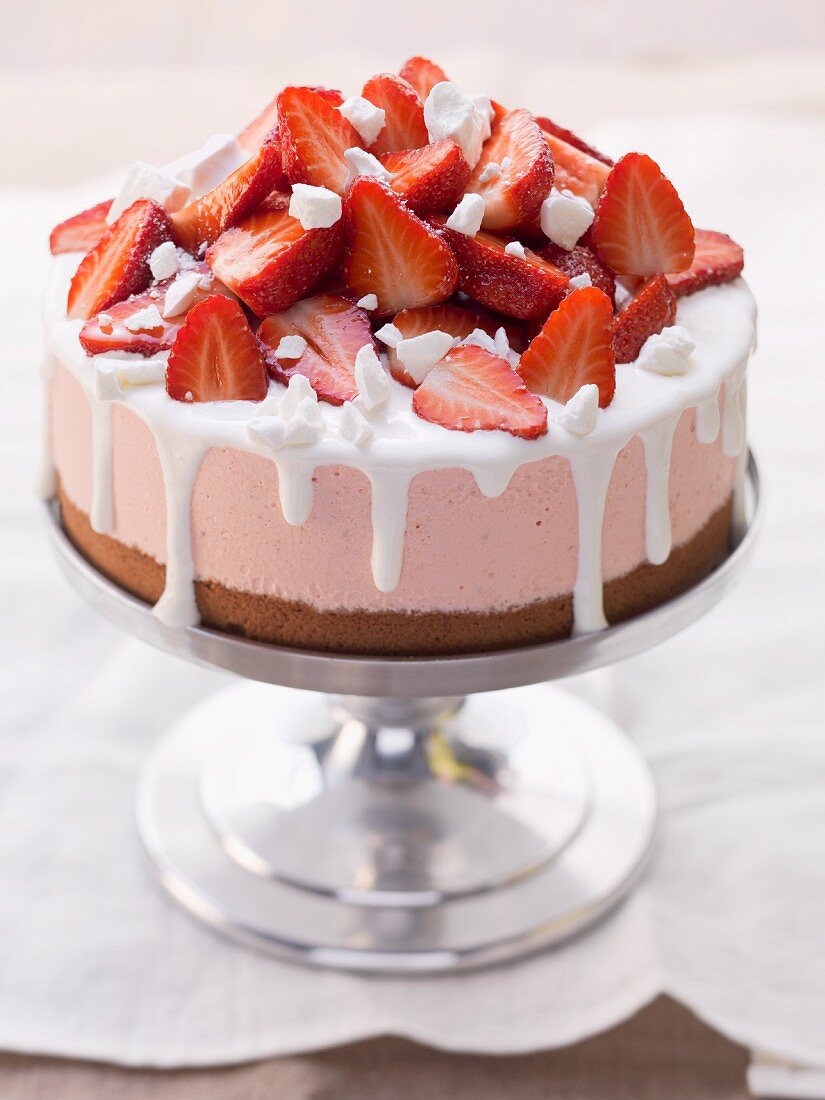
column 411, row 372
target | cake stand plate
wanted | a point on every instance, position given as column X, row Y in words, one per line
column 427, row 816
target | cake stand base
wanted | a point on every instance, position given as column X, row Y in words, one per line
column 396, row 835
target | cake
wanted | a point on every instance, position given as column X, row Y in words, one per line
column 407, row 373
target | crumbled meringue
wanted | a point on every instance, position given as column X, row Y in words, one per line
column 144, row 320
column 565, row 217
column 580, row 414
column 314, row 207
column 290, row 347
column 181, row 294
column 143, row 181
column 362, row 163
column 515, row 248
column 364, row 116
column 667, row 352
column 354, row 426
column 371, row 379
column 419, row 354
column 448, row 113
column 467, row 216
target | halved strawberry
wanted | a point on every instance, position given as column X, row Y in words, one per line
column 430, row 179
column 641, row 227
column 314, row 138
column 458, row 320
column 215, row 356
column 111, row 334
column 519, row 288
column 573, row 349
column 392, row 253
column 470, row 390
column 404, row 126
column 270, row 261
column 576, row 170
column 81, row 232
column 652, row 309
column 203, row 221
column 580, row 261
column 570, row 138
column 118, row 265
column 717, row 259
column 515, row 195
column 253, row 136
column 335, row 331
column 422, row 74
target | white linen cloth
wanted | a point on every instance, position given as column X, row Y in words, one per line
column 95, row 962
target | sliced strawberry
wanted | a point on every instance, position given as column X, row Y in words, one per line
column 471, row 390
column 314, row 138
column 404, row 126
column 570, row 138
column 252, row 137
column 576, row 170
column 215, row 356
column 515, row 195
column 270, row 261
column 203, row 221
column 335, row 331
column 580, row 261
column 717, row 259
column 652, row 309
column 81, row 232
column 641, row 227
column 422, row 74
column 118, row 265
column 573, row 349
column 109, row 332
column 458, row 320
column 276, row 200
column 430, row 179
column 519, row 288
column 393, row 254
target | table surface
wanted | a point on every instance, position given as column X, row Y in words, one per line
column 664, row 1051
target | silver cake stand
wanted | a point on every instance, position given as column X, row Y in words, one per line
column 422, row 815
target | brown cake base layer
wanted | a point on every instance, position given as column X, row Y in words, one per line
column 395, row 633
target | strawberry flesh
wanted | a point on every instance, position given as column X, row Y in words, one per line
column 270, row 261
column 314, row 137
column 518, row 288
column 573, row 349
column 580, row 261
column 335, row 331
column 458, row 320
column 652, row 309
column 111, row 334
column 515, row 195
column 641, row 227
column 215, row 356
column 392, row 253
column 576, row 170
column 570, row 138
column 422, row 74
column 717, row 259
column 404, row 126
column 203, row 221
column 118, row 265
column 472, row 390
column 81, row 232
column 431, row 179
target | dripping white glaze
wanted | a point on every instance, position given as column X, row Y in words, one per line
column 720, row 320
column 658, row 444
column 102, row 514
column 592, row 472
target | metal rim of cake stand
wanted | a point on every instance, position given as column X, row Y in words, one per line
column 404, row 829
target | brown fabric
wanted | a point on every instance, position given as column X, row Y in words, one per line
column 664, row 1053
column 394, row 633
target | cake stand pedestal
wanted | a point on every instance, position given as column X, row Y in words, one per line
column 427, row 814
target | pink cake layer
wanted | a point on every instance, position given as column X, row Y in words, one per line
column 463, row 551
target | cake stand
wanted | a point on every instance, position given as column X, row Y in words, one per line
column 422, row 814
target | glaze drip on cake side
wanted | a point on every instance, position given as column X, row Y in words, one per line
column 720, row 320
